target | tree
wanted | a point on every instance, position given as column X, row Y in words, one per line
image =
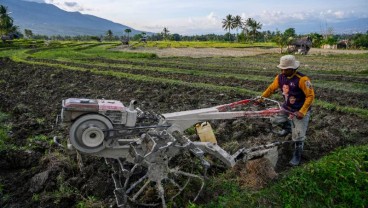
column 8, row 31
column 165, row 33
column 253, row 27
column 28, row 33
column 128, row 31
column 281, row 40
column 228, row 23
column 237, row 23
column 176, row 37
column 109, row 35
column 316, row 39
column 6, row 22
column 290, row 32
column 331, row 40
column 290, row 35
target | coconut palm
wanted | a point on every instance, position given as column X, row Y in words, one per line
column 128, row 31
column 228, row 23
column 253, row 26
column 237, row 23
column 165, row 33
column 6, row 22
column 109, row 35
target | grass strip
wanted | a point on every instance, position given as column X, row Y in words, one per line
column 339, row 179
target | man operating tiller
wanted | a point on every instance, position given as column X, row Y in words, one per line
column 298, row 95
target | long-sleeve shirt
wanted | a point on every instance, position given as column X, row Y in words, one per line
column 297, row 91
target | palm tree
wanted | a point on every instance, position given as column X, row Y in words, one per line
column 237, row 23
column 6, row 22
column 165, row 33
column 28, row 33
column 254, row 26
column 228, row 23
column 109, row 35
column 128, row 31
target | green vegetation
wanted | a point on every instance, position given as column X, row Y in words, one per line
column 337, row 180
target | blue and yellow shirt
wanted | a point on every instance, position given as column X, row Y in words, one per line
column 297, row 91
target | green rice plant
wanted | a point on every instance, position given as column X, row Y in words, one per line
column 336, row 180
column 34, row 142
column 90, row 201
column 71, row 53
column 36, row 197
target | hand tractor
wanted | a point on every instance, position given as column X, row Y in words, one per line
column 149, row 152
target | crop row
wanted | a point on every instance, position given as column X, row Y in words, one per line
column 335, row 88
column 248, row 87
column 324, row 91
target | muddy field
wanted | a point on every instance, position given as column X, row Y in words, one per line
column 32, row 95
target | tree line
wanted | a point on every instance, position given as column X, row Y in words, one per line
column 247, row 30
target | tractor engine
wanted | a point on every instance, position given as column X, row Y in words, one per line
column 94, row 122
column 115, row 111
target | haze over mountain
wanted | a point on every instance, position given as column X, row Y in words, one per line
column 47, row 19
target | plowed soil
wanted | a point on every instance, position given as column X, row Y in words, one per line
column 32, row 95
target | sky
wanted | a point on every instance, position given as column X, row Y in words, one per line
column 191, row 17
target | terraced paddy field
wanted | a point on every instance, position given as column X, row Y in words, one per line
column 34, row 80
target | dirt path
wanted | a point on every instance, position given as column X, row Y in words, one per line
column 221, row 52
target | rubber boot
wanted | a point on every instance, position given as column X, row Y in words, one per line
column 297, row 154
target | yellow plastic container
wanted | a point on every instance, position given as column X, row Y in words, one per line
column 205, row 132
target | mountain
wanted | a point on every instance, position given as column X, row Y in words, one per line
column 47, row 19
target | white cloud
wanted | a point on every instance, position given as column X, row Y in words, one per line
column 184, row 26
column 70, row 4
column 331, row 15
column 205, row 16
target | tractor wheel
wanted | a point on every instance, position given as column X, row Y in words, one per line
column 87, row 133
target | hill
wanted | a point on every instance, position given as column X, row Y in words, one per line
column 47, row 19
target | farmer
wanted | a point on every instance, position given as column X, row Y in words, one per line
column 298, row 95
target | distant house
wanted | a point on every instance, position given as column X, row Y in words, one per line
column 343, row 44
column 300, row 46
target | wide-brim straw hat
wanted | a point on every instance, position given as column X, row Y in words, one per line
column 288, row 62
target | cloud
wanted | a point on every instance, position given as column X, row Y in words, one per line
column 271, row 17
column 192, row 25
column 331, row 15
column 71, row 4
